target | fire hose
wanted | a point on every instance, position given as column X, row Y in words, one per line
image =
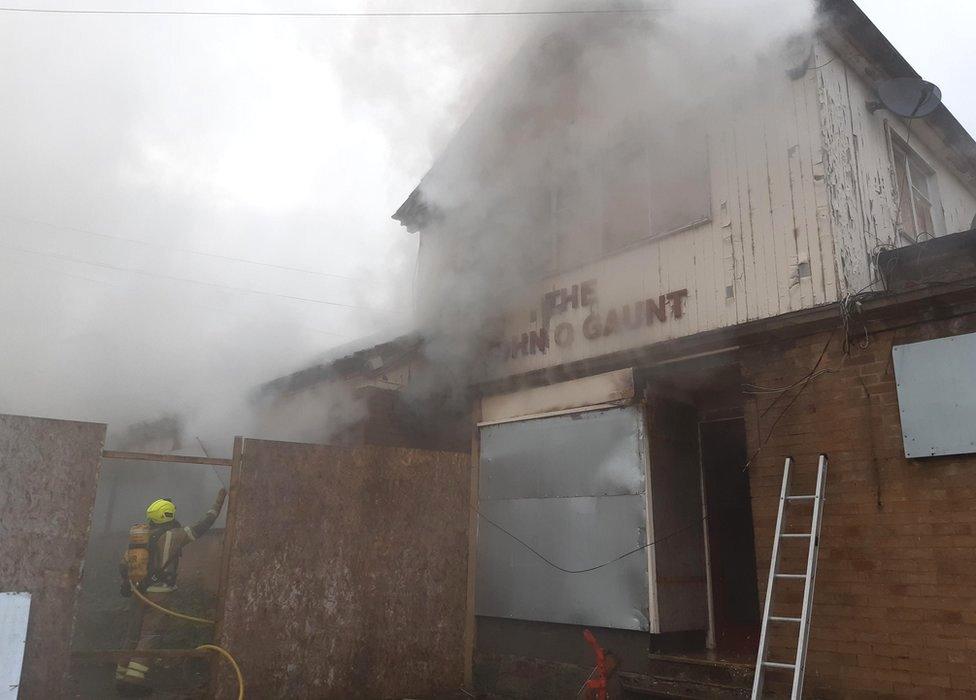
column 208, row 647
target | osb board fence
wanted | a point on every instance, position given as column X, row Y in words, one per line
column 346, row 571
column 48, row 475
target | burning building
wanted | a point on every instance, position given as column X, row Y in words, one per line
column 667, row 251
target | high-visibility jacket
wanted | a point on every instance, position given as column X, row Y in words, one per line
column 166, row 543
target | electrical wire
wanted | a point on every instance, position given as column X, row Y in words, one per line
column 257, row 13
column 756, row 389
column 824, row 64
column 187, row 251
column 225, row 312
column 556, row 566
column 146, row 273
column 813, row 374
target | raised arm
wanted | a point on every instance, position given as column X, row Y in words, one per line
column 208, row 520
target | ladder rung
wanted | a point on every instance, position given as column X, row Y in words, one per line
column 776, row 618
column 791, row 575
column 800, row 498
column 795, row 534
column 777, row 664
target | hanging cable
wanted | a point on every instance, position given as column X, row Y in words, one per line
column 804, row 383
column 556, row 566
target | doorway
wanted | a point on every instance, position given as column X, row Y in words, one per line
column 731, row 544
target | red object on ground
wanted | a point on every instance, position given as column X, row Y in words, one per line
column 598, row 684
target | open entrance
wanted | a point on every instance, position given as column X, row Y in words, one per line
column 109, row 625
column 732, row 554
column 700, row 401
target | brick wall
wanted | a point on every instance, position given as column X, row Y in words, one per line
column 895, row 603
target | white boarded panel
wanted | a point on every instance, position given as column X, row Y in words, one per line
column 563, row 396
column 14, row 611
column 937, row 395
column 546, row 482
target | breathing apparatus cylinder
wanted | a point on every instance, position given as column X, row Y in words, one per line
column 137, row 555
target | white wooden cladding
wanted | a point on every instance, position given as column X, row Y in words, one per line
column 766, row 250
column 801, row 199
column 860, row 179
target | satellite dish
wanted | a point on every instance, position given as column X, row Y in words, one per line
column 907, row 97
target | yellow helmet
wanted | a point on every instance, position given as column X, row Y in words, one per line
column 160, row 511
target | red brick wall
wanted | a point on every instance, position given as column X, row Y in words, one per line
column 895, row 602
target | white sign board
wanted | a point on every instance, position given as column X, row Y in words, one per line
column 937, row 395
column 14, row 611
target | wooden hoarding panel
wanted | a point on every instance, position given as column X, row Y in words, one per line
column 347, row 571
column 48, row 474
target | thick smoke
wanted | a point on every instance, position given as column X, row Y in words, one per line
column 147, row 159
column 146, row 162
column 596, row 114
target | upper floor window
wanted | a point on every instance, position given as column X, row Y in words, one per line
column 635, row 191
column 915, row 191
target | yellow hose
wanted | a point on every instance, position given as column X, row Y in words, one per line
column 212, row 647
column 151, row 604
column 237, row 669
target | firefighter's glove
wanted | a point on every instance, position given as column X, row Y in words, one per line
column 125, row 590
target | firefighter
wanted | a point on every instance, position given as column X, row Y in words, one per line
column 151, row 563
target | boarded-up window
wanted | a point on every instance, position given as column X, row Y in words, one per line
column 654, row 185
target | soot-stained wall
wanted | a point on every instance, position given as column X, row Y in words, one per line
column 347, row 571
column 48, row 473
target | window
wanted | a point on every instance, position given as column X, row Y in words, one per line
column 914, row 191
column 639, row 189
column 654, row 184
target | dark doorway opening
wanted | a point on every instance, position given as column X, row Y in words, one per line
column 731, row 544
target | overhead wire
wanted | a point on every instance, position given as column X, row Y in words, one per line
column 193, row 304
column 186, row 251
column 188, row 280
column 757, row 389
column 335, row 14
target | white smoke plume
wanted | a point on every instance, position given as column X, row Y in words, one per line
column 595, row 108
column 175, row 190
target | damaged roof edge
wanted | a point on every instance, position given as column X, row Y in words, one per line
column 848, row 20
column 414, row 213
column 390, row 352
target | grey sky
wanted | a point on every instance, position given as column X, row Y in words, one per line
column 140, row 156
column 180, row 139
column 936, row 37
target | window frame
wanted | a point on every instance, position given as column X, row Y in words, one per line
column 901, row 153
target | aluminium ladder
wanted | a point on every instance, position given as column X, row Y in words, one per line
column 803, row 621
